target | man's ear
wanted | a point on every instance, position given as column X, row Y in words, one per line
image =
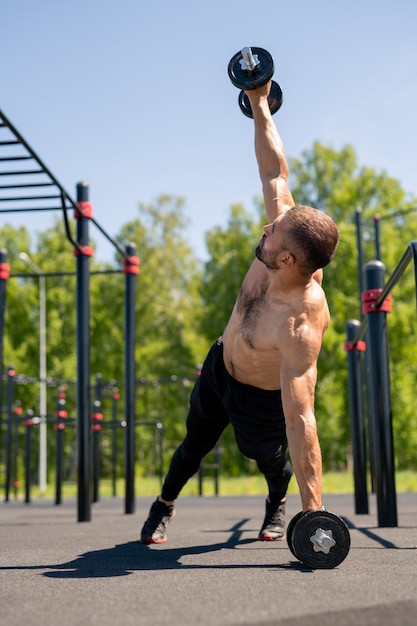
column 286, row 260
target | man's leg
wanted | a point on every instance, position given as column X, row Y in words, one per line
column 278, row 475
column 184, row 464
column 206, row 421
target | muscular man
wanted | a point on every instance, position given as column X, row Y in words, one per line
column 260, row 376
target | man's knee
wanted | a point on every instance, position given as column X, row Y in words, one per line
column 277, row 470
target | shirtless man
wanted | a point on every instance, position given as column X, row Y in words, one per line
column 260, row 376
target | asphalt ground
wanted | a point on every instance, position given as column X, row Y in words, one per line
column 57, row 571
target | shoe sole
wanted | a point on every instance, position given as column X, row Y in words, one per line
column 269, row 538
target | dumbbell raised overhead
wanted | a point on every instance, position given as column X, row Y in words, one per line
column 252, row 68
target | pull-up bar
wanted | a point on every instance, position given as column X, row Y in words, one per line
column 376, row 303
column 83, row 213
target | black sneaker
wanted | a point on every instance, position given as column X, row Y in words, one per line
column 155, row 528
column 273, row 528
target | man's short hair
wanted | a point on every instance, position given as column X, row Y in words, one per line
column 315, row 236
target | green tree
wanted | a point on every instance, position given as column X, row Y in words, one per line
column 168, row 342
column 334, row 181
column 231, row 252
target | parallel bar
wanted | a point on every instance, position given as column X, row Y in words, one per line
column 130, row 384
column 3, row 289
column 23, row 198
column 23, row 210
column 409, row 253
column 357, row 425
column 26, row 185
column 413, row 246
column 83, row 364
column 380, row 405
column 21, row 172
column 358, row 222
column 15, row 158
column 396, row 275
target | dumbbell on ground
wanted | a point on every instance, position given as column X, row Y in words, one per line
column 252, row 68
column 319, row 539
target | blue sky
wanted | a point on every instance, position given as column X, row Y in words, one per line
column 134, row 96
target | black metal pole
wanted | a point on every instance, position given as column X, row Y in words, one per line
column 377, row 231
column 96, row 426
column 11, row 373
column 380, row 395
column 358, row 222
column 28, row 449
column 61, row 414
column 357, row 424
column 17, row 413
column 413, row 248
column 83, row 253
column 115, row 399
column 4, row 275
column 131, row 270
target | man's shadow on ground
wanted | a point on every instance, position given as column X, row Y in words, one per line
column 126, row 558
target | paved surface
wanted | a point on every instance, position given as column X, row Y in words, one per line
column 54, row 570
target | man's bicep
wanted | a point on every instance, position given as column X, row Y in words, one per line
column 297, row 391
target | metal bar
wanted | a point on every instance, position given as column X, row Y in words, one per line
column 21, row 172
column 396, row 275
column 115, row 399
column 24, row 210
column 27, row 457
column 130, row 383
column 393, row 280
column 9, row 143
column 413, row 246
column 3, row 289
column 64, row 194
column 118, row 247
column 28, row 275
column 377, row 233
column 15, row 158
column 96, row 427
column 59, row 454
column 83, row 364
column 9, row 441
column 357, row 425
column 26, row 185
column 23, row 198
column 358, row 222
column 380, row 404
column 34, row 155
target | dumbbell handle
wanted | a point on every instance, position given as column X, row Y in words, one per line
column 248, row 61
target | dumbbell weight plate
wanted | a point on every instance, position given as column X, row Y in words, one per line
column 244, row 79
column 313, row 524
column 274, row 100
column 290, row 530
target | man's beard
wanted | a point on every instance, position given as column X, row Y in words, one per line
column 269, row 259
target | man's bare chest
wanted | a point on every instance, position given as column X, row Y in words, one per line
column 258, row 317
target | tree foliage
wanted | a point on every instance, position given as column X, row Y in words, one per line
column 182, row 306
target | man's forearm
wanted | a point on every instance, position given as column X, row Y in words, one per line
column 269, row 148
column 304, row 449
column 270, row 155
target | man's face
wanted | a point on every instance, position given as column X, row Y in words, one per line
column 273, row 244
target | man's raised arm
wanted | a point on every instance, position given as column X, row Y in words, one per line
column 269, row 150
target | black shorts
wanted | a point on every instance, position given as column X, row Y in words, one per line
column 255, row 414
